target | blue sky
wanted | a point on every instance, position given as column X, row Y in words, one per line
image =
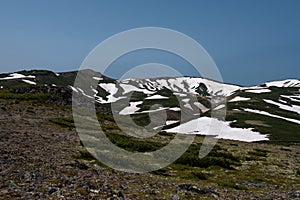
column 251, row 41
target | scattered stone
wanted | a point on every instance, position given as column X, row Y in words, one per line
column 78, row 165
column 193, row 188
column 16, row 101
column 29, row 176
column 52, row 190
column 12, row 184
column 4, row 192
column 175, row 197
column 3, row 107
column 295, row 194
column 250, row 184
column 95, row 191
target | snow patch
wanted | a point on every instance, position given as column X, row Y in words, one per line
column 293, row 108
column 128, row 88
column 16, row 76
column 219, row 129
column 284, row 83
column 295, row 98
column 238, row 98
column 219, row 107
column 175, row 109
column 29, row 82
column 271, row 115
column 282, row 101
column 189, row 85
column 97, row 78
column 73, row 88
column 131, row 109
column 188, row 106
column 259, row 91
column 185, row 100
column 112, row 89
column 157, row 96
column 180, row 94
column 83, row 93
column 201, row 107
column 151, row 111
column 168, row 122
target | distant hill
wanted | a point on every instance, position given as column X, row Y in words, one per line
column 264, row 112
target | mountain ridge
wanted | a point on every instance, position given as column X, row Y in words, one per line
column 176, row 96
column 75, row 71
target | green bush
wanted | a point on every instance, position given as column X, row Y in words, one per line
column 6, row 94
column 64, row 122
column 233, row 185
column 132, row 144
column 214, row 158
column 258, row 152
column 85, row 155
column 199, row 175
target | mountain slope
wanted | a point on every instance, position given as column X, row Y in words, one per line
column 265, row 112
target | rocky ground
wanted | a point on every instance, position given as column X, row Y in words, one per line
column 41, row 160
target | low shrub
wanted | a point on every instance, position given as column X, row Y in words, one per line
column 199, row 175
column 214, row 158
column 64, row 122
column 258, row 152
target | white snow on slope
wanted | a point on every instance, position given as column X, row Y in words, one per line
column 185, row 100
column 180, row 94
column 168, row 122
column 257, row 91
column 219, row 107
column 292, row 97
column 79, row 90
column 214, row 88
column 151, row 111
column 238, row 98
column 175, row 109
column 187, row 105
column 16, row 76
column 221, row 129
column 201, row 107
column 293, row 108
column 73, row 88
column 29, row 82
column 157, row 97
column 131, row 109
column 131, row 88
column 128, row 88
column 271, row 115
column 83, row 93
column 97, row 78
column 284, row 83
column 112, row 89
column 95, row 91
column 188, row 85
column 282, row 101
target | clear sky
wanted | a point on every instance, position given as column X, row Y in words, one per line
column 251, row 41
